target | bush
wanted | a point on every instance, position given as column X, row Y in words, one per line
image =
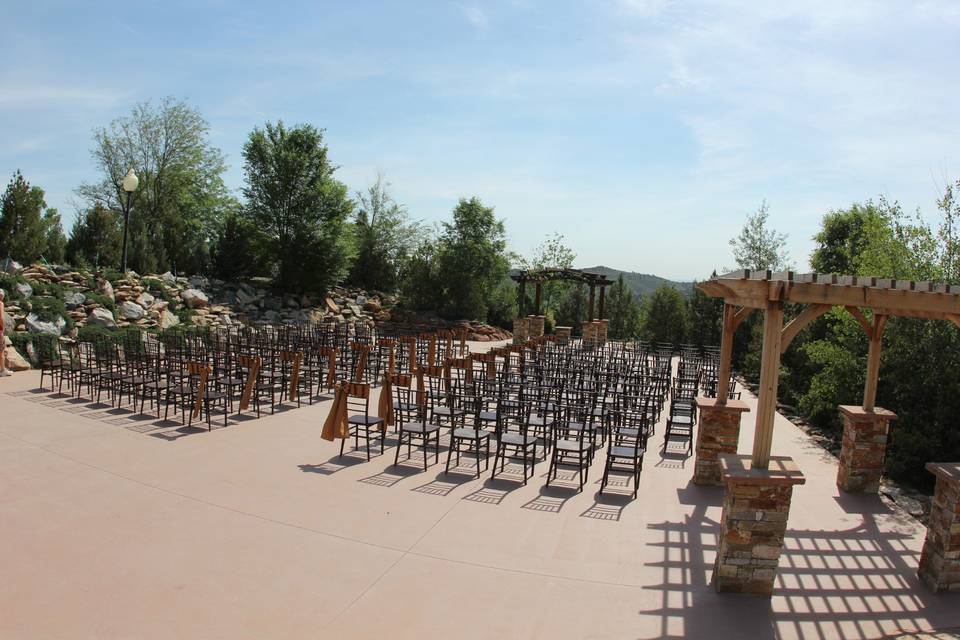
column 49, row 309
column 104, row 301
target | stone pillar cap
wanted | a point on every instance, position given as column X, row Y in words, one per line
column 739, row 468
column 858, row 413
column 712, row 403
column 949, row 471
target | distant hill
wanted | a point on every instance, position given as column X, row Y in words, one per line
column 642, row 284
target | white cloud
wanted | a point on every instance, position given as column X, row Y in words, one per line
column 475, row 16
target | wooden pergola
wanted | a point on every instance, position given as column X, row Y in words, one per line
column 539, row 276
column 744, row 292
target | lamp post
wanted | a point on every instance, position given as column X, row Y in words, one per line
column 130, row 183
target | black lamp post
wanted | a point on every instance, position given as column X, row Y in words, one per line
column 130, row 184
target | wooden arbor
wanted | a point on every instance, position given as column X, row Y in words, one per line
column 594, row 326
column 746, row 562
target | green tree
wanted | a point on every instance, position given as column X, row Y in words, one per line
column 624, row 311
column 472, row 260
column 179, row 207
column 23, row 233
column 95, row 239
column 759, row 247
column 385, row 238
column 664, row 316
column 704, row 317
column 236, row 253
column 572, row 307
column 463, row 273
column 302, row 210
column 55, row 242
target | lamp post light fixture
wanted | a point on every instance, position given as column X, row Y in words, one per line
column 130, row 183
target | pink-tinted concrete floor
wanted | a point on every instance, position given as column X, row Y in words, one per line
column 113, row 525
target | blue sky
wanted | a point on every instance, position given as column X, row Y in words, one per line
column 643, row 130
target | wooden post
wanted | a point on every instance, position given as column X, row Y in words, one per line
column 873, row 362
column 522, row 298
column 726, row 354
column 769, row 378
column 590, row 314
column 600, row 315
column 538, row 300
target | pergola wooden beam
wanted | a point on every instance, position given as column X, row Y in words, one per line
column 769, row 291
column 795, row 326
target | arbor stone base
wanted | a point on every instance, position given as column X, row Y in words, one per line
column 864, row 448
column 718, row 431
column 756, row 504
column 940, row 559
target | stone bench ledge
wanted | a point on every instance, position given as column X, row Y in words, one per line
column 704, row 402
column 781, row 470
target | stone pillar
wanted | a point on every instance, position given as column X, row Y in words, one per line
column 718, row 431
column 756, row 504
column 940, row 559
column 520, row 330
column 863, row 449
column 535, row 326
column 563, row 334
column 602, row 326
column 589, row 330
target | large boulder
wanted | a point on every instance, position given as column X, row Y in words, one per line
column 74, row 299
column 246, row 294
column 199, row 282
column 8, row 322
column 169, row 279
column 332, row 306
column 194, row 298
column 24, row 289
column 15, row 362
column 10, row 265
column 105, row 288
column 36, row 325
column 145, row 300
column 168, row 319
column 101, row 317
column 130, row 311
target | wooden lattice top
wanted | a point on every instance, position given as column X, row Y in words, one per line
column 754, row 289
column 545, row 275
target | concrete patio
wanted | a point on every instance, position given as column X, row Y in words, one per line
column 113, row 525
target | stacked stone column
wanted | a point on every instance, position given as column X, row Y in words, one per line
column 940, row 559
column 756, row 505
column 589, row 328
column 864, row 448
column 536, row 326
column 602, row 326
column 718, row 431
column 563, row 334
column 521, row 330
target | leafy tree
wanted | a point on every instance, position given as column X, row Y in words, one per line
column 385, row 238
column 704, row 317
column 572, row 307
column 23, row 233
column 95, row 238
column 664, row 316
column 236, row 253
column 463, row 273
column 759, row 247
column 843, row 236
column 181, row 202
column 624, row 311
column 472, row 260
column 55, row 241
column 302, row 210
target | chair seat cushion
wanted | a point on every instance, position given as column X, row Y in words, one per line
column 573, row 445
column 515, row 439
column 365, row 420
column 471, row 434
column 625, row 452
column 419, row 427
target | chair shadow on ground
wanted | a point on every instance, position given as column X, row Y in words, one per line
column 552, row 498
column 444, row 483
column 855, row 583
column 335, row 464
column 494, row 490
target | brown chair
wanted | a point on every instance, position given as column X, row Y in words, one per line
column 360, row 422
